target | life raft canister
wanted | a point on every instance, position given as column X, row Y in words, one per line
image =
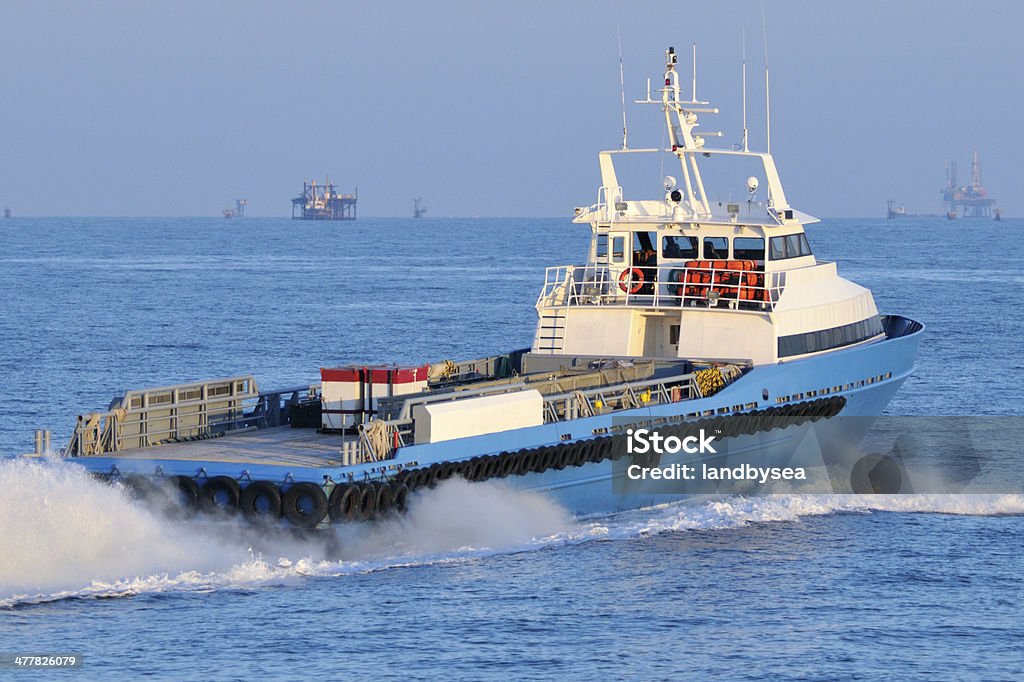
column 632, row 280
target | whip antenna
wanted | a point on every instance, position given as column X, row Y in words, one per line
column 767, row 89
column 622, row 92
column 745, row 147
column 693, row 96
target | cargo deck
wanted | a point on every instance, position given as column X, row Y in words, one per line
column 274, row 446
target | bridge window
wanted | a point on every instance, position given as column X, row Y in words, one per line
column 790, row 246
column 748, row 248
column 645, row 241
column 716, row 248
column 679, row 247
column 618, row 249
column 601, row 247
column 826, row 339
column 805, row 248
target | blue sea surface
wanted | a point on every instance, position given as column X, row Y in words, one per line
column 479, row 581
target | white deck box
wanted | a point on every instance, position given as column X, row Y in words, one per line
column 453, row 419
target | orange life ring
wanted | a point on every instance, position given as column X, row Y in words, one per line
column 632, row 280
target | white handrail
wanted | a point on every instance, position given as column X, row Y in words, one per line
column 662, row 286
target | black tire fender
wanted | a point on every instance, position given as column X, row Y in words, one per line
column 220, row 494
column 580, row 454
column 138, row 487
column 187, row 489
column 523, row 461
column 343, row 505
column 493, row 466
column 261, row 502
column 367, row 501
column 179, row 496
column 508, row 464
column 304, row 504
column 474, row 469
column 384, row 501
column 399, row 497
column 565, row 456
column 542, row 462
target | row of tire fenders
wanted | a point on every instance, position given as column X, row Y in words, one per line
column 305, row 504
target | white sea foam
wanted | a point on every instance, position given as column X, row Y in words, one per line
column 64, row 535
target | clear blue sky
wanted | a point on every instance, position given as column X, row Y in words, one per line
column 485, row 108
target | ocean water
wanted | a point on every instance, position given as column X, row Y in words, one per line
column 479, row 581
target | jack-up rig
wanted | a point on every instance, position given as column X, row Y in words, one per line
column 968, row 201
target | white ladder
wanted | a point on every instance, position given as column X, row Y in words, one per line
column 550, row 336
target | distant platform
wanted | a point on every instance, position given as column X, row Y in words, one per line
column 324, row 202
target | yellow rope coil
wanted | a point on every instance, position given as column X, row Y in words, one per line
column 709, row 381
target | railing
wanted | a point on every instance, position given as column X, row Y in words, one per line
column 613, row 208
column 601, row 400
column 568, row 405
column 608, row 200
column 662, row 286
column 181, row 412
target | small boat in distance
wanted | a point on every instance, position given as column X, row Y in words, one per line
column 894, row 211
column 687, row 314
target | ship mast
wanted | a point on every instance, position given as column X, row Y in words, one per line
column 689, row 146
column 681, row 119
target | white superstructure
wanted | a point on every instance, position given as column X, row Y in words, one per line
column 691, row 275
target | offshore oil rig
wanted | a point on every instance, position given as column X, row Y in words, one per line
column 324, row 202
column 238, row 211
column 968, row 201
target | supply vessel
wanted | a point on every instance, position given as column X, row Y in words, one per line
column 688, row 314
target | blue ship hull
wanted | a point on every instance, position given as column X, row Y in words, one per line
column 866, row 377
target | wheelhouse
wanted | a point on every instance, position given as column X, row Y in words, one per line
column 686, row 276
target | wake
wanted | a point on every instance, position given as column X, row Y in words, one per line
column 64, row 535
